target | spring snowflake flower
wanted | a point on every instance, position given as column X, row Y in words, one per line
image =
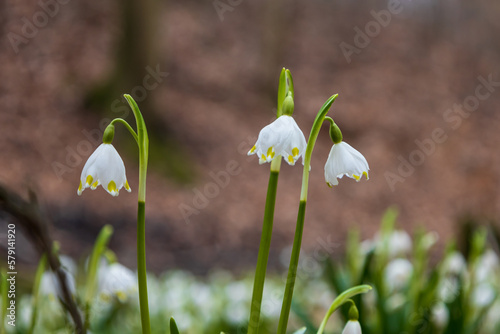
column 49, row 284
column 281, row 137
column 352, row 327
column 397, row 273
column 104, row 167
column 117, row 281
column 345, row 160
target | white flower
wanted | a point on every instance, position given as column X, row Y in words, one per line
column 398, row 273
column 345, row 160
column 49, row 284
column 455, row 264
column 399, row 243
column 486, row 266
column 117, row 280
column 440, row 315
column 483, row 295
column 104, row 167
column 281, row 137
column 352, row 327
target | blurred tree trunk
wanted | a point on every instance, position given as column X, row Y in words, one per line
column 277, row 20
column 137, row 50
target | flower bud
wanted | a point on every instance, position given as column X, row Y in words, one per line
column 109, row 134
column 288, row 105
column 335, row 133
column 353, row 313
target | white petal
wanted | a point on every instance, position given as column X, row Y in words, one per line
column 352, row 327
column 281, row 137
column 105, row 167
column 345, row 160
column 117, row 280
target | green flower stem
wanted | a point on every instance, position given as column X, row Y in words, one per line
column 36, row 287
column 297, row 241
column 143, row 143
column 99, row 247
column 265, row 245
column 129, row 128
column 340, row 300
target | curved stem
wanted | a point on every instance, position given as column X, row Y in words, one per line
column 341, row 299
column 143, row 142
column 297, row 241
column 265, row 245
column 129, row 128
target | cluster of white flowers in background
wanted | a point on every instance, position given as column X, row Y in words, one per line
column 220, row 300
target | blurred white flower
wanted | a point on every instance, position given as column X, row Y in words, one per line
column 399, row 243
column 116, row 280
column 104, row 166
column 395, row 301
column 487, row 265
column 68, row 264
column 352, row 327
column 492, row 321
column 483, row 295
column 281, row 137
column 397, row 273
column 440, row 315
column 448, row 289
column 49, row 284
column 345, row 160
column 455, row 264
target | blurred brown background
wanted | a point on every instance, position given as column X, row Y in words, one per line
column 205, row 74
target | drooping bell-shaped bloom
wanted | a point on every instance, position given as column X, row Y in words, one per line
column 281, row 137
column 116, row 280
column 398, row 273
column 345, row 160
column 352, row 327
column 104, row 167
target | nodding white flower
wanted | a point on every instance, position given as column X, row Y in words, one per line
column 487, row 265
column 281, row 137
column 483, row 295
column 440, row 315
column 345, row 160
column 117, row 281
column 455, row 264
column 352, row 327
column 104, row 167
column 398, row 273
column 49, row 284
column 398, row 243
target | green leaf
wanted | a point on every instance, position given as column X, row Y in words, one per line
column 173, row 327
